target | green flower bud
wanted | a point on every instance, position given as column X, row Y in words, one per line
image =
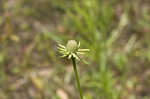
column 72, row 45
column 72, row 49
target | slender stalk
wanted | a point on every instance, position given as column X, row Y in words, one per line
column 77, row 77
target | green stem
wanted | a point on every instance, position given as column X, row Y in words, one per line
column 77, row 77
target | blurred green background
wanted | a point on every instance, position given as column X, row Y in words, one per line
column 116, row 31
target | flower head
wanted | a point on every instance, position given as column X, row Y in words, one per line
column 72, row 49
